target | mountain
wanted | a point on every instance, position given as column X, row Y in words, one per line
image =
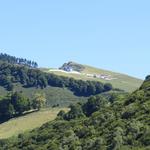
column 21, row 78
column 120, row 122
column 18, row 74
column 85, row 72
column 100, row 117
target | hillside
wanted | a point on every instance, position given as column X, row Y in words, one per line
column 25, row 88
column 28, row 122
column 99, row 124
column 54, row 95
column 85, row 72
column 18, row 74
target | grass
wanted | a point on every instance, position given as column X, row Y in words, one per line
column 54, row 95
column 123, row 81
column 28, row 122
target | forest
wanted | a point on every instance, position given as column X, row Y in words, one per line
column 32, row 77
column 114, row 122
column 20, row 61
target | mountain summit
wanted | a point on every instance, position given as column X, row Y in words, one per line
column 72, row 66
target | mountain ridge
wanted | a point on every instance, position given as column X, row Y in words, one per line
column 87, row 72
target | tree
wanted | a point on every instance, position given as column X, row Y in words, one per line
column 91, row 90
column 61, row 114
column 10, row 111
column 10, row 86
column 117, row 140
column 6, row 109
column 13, row 60
column 20, row 102
column 75, row 112
column 94, row 104
column 99, row 87
column 148, row 78
column 39, row 101
column 107, row 87
column 23, row 75
column 42, row 81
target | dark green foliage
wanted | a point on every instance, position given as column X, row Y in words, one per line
column 13, row 60
column 75, row 112
column 146, row 84
column 29, row 77
column 13, row 105
column 108, row 87
column 94, row 104
column 147, row 78
column 61, row 114
column 20, row 103
column 6, row 109
column 111, row 123
column 10, row 86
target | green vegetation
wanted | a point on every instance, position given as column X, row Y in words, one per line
column 54, row 95
column 39, row 101
column 73, row 65
column 121, row 81
column 113, row 122
column 99, row 117
column 18, row 73
column 18, row 61
column 30, row 77
column 28, row 122
column 16, row 104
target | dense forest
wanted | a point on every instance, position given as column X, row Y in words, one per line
column 20, row 61
column 31, row 77
column 117, row 122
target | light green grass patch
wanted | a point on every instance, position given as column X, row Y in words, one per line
column 28, row 122
column 122, row 81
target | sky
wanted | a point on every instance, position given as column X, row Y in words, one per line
column 112, row 35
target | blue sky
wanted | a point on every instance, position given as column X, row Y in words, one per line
column 108, row 34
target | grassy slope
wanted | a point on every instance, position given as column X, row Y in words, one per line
column 28, row 122
column 54, row 95
column 124, row 82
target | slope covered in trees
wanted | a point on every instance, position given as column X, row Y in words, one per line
column 30, row 77
column 117, row 122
